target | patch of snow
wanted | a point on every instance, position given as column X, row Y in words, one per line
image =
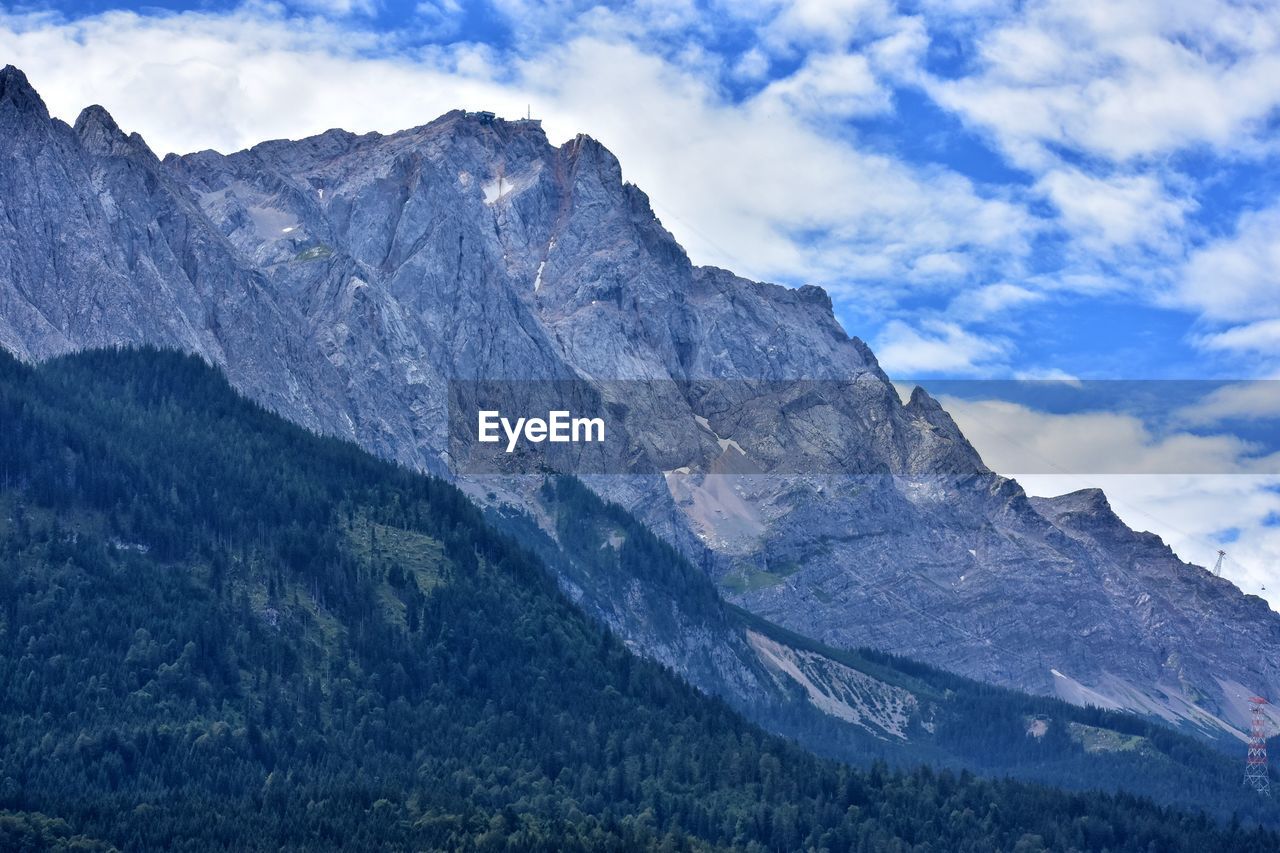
column 726, row 443
column 508, row 185
column 287, row 230
column 321, row 192
column 537, row 281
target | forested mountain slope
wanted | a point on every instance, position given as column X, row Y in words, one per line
column 220, row 631
column 859, row 705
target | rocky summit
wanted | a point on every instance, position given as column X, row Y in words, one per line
column 346, row 280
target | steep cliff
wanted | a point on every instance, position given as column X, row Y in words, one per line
column 344, row 281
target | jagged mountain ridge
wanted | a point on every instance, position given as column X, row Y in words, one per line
column 342, row 280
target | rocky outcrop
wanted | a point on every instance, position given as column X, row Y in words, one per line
column 345, row 280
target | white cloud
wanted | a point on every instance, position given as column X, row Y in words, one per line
column 991, row 300
column 828, row 86
column 537, row 24
column 752, row 65
column 1261, row 337
column 1118, row 211
column 192, row 81
column 1094, row 101
column 1013, row 437
column 337, row 8
column 1249, row 401
column 936, row 347
column 1237, row 278
column 441, row 18
column 1049, row 374
column 1126, row 79
column 941, row 265
column 900, row 51
column 824, row 23
column 1234, row 284
column 755, row 186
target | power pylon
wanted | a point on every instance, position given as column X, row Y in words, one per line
column 1255, row 765
column 1217, row 569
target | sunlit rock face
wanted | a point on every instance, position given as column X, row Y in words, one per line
column 344, row 280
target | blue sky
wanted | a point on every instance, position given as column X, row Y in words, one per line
column 987, row 189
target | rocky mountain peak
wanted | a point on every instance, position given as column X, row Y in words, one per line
column 586, row 154
column 98, row 131
column 944, row 448
column 1081, row 500
column 1083, row 505
column 922, row 402
column 17, row 94
column 344, row 281
column 815, row 295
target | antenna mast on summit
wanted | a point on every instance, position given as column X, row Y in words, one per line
column 1217, row 569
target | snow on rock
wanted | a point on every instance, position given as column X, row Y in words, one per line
column 726, row 443
column 504, row 186
column 492, row 191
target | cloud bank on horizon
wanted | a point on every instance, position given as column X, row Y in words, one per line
column 1043, row 189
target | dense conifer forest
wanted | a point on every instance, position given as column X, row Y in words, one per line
column 218, row 631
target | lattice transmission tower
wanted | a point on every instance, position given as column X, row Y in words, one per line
column 1255, row 765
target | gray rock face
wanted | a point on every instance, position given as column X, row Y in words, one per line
column 344, row 280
